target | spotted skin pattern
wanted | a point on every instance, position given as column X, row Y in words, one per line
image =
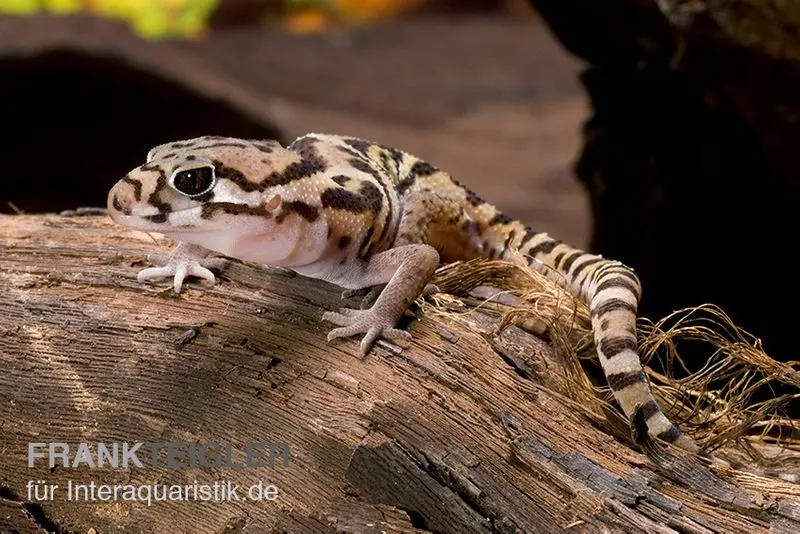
column 363, row 215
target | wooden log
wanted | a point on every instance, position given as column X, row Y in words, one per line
column 463, row 431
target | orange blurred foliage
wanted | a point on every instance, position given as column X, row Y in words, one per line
column 346, row 12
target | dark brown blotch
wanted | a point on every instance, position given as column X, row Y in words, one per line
column 611, row 346
column 117, row 206
column 366, row 167
column 158, row 218
column 232, row 208
column 236, row 176
column 620, row 280
column 367, row 199
column 647, row 410
column 304, row 210
column 422, row 168
column 383, row 180
column 345, row 241
column 584, row 265
column 670, row 435
column 309, row 164
column 155, row 199
column 500, row 218
column 613, row 305
column 507, row 242
column 472, row 198
column 545, row 247
column 137, row 187
column 397, row 156
column 364, row 247
column 360, row 145
column 620, row 381
column 570, row 258
column 419, row 169
column 267, row 147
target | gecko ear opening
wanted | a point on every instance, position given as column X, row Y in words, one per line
column 273, row 203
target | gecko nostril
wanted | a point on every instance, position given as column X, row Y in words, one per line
column 123, row 207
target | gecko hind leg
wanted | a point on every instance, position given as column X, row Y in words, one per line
column 431, row 224
column 371, row 294
column 405, row 271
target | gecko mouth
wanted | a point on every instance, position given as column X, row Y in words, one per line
column 158, row 218
column 155, row 221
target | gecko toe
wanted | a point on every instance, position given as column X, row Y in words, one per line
column 343, row 317
column 370, row 298
column 179, row 269
column 153, row 273
column 367, row 322
column 369, row 338
column 201, row 271
column 351, row 293
column 345, row 331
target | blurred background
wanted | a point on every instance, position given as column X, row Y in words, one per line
column 661, row 134
column 155, row 19
column 478, row 87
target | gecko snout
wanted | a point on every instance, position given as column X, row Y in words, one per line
column 121, row 198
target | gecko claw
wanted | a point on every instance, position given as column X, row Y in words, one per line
column 179, row 268
column 352, row 322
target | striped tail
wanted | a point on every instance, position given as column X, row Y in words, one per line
column 612, row 292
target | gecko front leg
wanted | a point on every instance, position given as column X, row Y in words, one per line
column 185, row 260
column 406, row 271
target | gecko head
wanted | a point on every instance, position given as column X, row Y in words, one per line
column 201, row 185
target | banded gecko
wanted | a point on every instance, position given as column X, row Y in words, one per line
column 365, row 217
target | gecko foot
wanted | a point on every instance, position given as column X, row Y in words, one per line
column 373, row 325
column 180, row 266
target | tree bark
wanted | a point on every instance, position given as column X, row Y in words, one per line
column 462, row 431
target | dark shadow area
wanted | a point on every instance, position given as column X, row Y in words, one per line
column 689, row 159
column 75, row 122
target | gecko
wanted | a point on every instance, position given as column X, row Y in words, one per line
column 368, row 218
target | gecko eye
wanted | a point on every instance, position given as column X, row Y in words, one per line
column 193, row 182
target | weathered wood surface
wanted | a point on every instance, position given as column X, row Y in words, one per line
column 446, row 436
